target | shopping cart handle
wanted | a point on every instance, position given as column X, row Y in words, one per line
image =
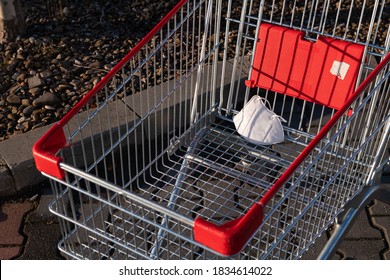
column 45, row 150
column 228, row 239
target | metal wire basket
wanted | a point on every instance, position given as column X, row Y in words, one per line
column 149, row 164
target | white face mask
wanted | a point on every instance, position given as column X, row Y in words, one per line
column 259, row 125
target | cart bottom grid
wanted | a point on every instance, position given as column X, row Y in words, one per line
column 209, row 172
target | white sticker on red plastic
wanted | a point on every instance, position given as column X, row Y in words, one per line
column 339, row 69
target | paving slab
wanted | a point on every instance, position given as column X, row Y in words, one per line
column 378, row 208
column 10, row 227
column 362, row 249
column 383, row 223
column 362, row 229
column 11, row 238
column 42, row 240
column 6, row 179
column 42, row 213
column 17, row 158
column 9, row 253
column 386, row 255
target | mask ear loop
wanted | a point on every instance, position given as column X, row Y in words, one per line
column 268, row 105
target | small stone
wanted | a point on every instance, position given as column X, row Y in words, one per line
column 20, row 56
column 12, row 66
column 13, row 99
column 95, row 65
column 26, row 102
column 11, row 117
column 98, row 43
column 46, row 74
column 64, row 86
column 35, row 91
column 14, row 110
column 35, row 81
column 21, row 78
column 14, row 76
column 74, row 82
column 11, row 124
column 47, row 98
column 46, row 119
column 38, row 125
column 20, row 127
column 49, row 107
column 98, row 56
column 95, row 80
column 65, row 11
column 14, row 89
column 28, row 110
column 32, row 40
column 22, row 119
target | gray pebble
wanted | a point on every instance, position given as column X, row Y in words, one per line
column 46, row 74
column 20, row 127
column 47, row 98
column 38, row 125
column 35, row 91
column 13, row 99
column 49, row 107
column 22, row 119
column 26, row 102
column 35, row 81
column 28, row 110
column 21, row 77
column 96, row 65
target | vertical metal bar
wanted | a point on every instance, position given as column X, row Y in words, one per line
column 236, row 55
column 201, row 63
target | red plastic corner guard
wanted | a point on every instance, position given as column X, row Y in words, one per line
column 44, row 151
column 228, row 239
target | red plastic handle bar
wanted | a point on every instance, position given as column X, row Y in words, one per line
column 45, row 149
column 228, row 239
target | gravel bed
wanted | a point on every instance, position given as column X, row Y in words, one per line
column 49, row 69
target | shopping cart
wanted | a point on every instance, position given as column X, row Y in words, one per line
column 149, row 164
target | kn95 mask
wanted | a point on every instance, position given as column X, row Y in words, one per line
column 258, row 124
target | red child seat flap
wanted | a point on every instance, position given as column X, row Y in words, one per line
column 323, row 72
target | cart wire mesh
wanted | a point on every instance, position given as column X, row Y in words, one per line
column 151, row 154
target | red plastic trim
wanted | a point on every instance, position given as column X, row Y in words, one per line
column 45, row 149
column 229, row 238
column 53, row 140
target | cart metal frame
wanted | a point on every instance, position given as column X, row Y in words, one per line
column 148, row 165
